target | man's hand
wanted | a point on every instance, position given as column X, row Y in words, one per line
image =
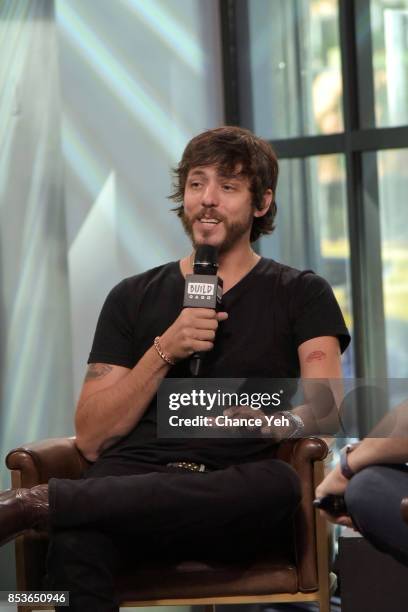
column 334, row 484
column 192, row 332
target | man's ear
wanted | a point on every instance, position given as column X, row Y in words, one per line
column 266, row 204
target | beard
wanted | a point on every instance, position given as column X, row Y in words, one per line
column 233, row 231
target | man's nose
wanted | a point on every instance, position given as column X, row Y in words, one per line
column 210, row 195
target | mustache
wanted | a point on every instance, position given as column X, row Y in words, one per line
column 209, row 215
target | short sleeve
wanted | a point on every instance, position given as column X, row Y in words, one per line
column 315, row 311
column 113, row 340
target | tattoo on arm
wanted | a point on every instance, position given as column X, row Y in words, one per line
column 97, row 370
column 316, row 356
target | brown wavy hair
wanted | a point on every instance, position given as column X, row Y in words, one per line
column 228, row 147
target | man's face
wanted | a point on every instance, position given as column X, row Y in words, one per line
column 217, row 209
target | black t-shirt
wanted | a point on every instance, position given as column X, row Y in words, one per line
column 272, row 310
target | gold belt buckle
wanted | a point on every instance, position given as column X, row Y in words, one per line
column 189, row 465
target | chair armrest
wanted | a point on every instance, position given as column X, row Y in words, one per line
column 404, row 509
column 298, row 451
column 302, row 454
column 37, row 462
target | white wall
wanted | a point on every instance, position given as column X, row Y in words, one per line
column 138, row 79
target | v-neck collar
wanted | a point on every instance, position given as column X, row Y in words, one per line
column 242, row 281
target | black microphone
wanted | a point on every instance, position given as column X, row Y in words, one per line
column 332, row 504
column 203, row 289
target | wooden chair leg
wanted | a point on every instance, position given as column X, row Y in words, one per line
column 325, row 605
column 325, row 578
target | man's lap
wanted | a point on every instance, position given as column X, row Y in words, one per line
column 157, row 493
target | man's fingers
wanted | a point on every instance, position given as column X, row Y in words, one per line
column 201, row 346
column 204, row 334
column 217, row 317
column 192, row 332
column 203, row 318
column 206, row 324
column 203, row 313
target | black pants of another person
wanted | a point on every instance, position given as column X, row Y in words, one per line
column 96, row 521
column 373, row 499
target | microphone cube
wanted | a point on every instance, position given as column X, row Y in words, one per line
column 202, row 291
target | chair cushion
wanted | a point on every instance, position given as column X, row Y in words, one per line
column 187, row 579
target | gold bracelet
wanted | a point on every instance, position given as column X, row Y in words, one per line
column 158, row 348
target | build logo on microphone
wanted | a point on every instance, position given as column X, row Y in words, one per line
column 200, row 291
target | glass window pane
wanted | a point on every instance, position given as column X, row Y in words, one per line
column 312, row 227
column 295, row 67
column 389, row 24
column 393, row 184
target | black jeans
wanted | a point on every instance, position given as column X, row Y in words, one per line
column 373, row 499
column 223, row 513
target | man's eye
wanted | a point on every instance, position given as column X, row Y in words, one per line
column 228, row 187
column 195, row 184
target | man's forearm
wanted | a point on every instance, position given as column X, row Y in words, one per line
column 320, row 413
column 113, row 412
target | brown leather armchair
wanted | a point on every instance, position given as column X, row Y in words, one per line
column 297, row 572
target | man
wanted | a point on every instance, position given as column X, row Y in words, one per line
column 141, row 491
column 373, row 478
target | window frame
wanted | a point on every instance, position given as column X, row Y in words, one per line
column 353, row 142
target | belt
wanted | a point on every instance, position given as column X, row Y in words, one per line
column 189, row 466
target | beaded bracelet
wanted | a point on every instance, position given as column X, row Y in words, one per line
column 163, row 355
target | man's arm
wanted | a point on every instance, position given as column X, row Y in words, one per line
column 319, row 359
column 113, row 398
column 320, row 366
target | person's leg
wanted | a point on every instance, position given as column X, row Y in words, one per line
column 222, row 513
column 83, row 562
column 176, row 501
column 246, row 522
column 373, row 499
